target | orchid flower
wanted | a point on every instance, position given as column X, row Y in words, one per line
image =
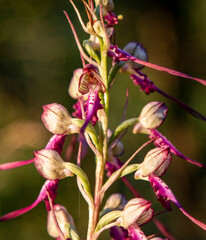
column 90, row 82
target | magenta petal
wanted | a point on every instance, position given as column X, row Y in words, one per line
column 123, row 56
column 200, row 224
column 7, row 166
column 162, row 141
column 148, row 86
column 19, row 212
column 164, row 193
column 56, row 143
column 93, row 105
column 136, row 233
column 50, row 186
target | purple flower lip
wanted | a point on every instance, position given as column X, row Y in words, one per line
column 165, row 195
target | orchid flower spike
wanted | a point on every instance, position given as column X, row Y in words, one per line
column 49, row 186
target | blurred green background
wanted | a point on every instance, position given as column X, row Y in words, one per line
column 37, row 57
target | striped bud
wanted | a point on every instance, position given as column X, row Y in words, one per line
column 64, row 220
column 50, row 164
column 153, row 115
column 137, row 210
column 116, row 201
column 155, row 162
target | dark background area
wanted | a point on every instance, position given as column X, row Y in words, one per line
column 37, row 57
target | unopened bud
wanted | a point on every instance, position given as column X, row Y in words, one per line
column 98, row 28
column 56, row 118
column 155, row 162
column 118, row 149
column 73, row 86
column 139, row 129
column 64, row 220
column 108, row 4
column 137, row 210
column 153, row 115
column 116, row 201
column 138, row 51
column 94, row 42
column 50, row 164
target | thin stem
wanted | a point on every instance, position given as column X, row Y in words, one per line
column 78, row 43
column 61, row 235
column 113, row 224
column 97, row 196
column 116, row 174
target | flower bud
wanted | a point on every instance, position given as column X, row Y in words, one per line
column 56, row 118
column 73, row 86
column 64, row 220
column 98, row 28
column 118, row 148
column 116, row 201
column 138, row 51
column 153, row 115
column 50, row 164
column 108, row 4
column 137, row 210
column 155, row 162
column 139, row 129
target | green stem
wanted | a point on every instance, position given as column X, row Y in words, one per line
column 101, row 160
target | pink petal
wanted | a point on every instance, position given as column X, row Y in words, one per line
column 10, row 165
column 123, row 56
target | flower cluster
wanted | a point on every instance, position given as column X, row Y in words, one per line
column 90, row 87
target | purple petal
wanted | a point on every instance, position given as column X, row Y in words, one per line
column 56, row 143
column 164, row 193
column 93, row 105
column 162, row 141
column 118, row 233
column 148, row 86
column 123, row 56
column 135, row 233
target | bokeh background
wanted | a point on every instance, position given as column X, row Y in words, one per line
column 37, row 57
